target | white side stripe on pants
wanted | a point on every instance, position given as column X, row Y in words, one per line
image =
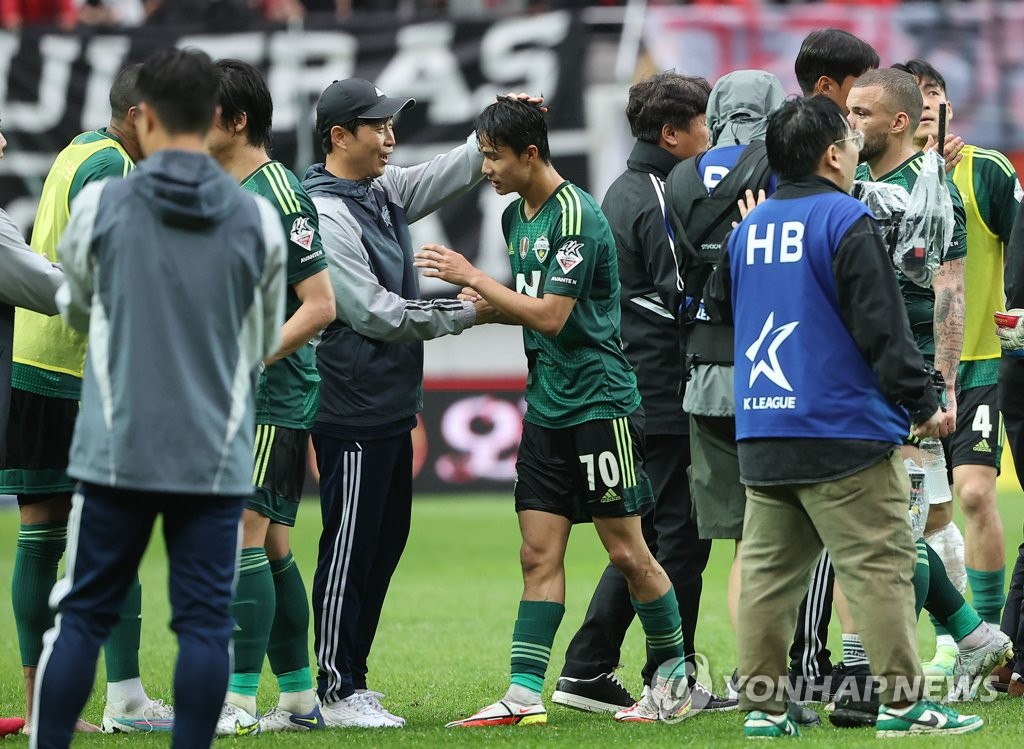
column 334, row 594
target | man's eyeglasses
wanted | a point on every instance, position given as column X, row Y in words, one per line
column 856, row 137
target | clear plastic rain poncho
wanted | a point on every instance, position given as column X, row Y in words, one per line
column 917, row 226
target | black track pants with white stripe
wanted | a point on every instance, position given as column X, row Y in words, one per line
column 809, row 655
column 365, row 503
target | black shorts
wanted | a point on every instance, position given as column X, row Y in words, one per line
column 594, row 469
column 979, row 436
column 278, row 473
column 39, row 434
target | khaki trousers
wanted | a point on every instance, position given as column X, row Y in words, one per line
column 862, row 521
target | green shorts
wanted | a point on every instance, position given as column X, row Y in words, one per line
column 719, row 498
column 279, row 470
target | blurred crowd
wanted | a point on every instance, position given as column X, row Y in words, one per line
column 233, row 13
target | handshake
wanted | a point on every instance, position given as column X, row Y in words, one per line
column 1010, row 330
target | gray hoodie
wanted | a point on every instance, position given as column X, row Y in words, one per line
column 739, row 105
column 177, row 274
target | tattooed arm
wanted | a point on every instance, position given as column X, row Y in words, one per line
column 948, row 324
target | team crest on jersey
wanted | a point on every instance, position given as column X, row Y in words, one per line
column 386, row 215
column 524, row 247
column 302, row 232
column 541, row 247
column 568, row 255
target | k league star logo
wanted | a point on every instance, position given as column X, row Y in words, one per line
column 769, row 365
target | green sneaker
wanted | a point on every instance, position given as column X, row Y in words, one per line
column 760, row 725
column 923, row 717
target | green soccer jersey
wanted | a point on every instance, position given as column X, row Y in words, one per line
column 288, row 391
column 568, row 249
column 919, row 301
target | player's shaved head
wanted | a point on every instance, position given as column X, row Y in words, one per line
column 900, row 92
column 243, row 90
column 124, row 92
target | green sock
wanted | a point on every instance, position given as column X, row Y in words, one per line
column 253, row 612
column 922, row 576
column 661, row 623
column 939, row 629
column 121, row 650
column 288, row 650
column 988, row 592
column 963, row 621
column 531, row 642
column 945, row 601
column 40, row 547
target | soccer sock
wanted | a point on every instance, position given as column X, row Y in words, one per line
column 531, row 646
column 253, row 612
column 40, row 546
column 661, row 623
column 121, row 650
column 853, row 651
column 940, row 631
column 288, row 649
column 988, row 592
column 946, row 603
column 126, row 695
column 922, row 576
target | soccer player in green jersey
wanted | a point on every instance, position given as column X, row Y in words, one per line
column 271, row 608
column 581, row 453
column 991, row 192
column 49, row 359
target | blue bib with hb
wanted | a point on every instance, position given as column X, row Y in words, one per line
column 799, row 373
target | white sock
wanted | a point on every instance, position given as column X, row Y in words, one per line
column 944, row 641
column 522, row 695
column 130, row 692
column 243, row 701
column 948, row 543
column 299, row 703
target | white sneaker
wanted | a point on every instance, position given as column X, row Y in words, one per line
column 973, row 665
column 234, row 721
column 670, row 691
column 280, row 719
column 355, row 712
column 643, row 711
column 373, row 699
column 153, row 715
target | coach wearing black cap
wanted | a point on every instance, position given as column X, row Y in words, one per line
column 370, row 362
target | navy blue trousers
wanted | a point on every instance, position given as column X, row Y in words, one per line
column 366, row 506
column 108, row 532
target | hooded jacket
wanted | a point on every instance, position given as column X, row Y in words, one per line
column 370, row 359
column 178, row 276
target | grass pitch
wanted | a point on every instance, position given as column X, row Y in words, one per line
column 442, row 650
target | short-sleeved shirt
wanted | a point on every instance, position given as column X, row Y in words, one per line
column 920, row 301
column 567, row 249
column 288, row 390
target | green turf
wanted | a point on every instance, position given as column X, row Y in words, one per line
column 443, row 646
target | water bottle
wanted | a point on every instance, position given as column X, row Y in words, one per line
column 918, row 498
column 933, row 461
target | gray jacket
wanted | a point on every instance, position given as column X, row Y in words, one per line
column 371, row 358
column 27, row 280
column 177, row 274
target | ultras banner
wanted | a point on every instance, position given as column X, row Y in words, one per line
column 54, row 85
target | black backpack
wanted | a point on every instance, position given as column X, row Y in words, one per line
column 701, row 221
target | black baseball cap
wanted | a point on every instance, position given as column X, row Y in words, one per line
column 344, row 101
